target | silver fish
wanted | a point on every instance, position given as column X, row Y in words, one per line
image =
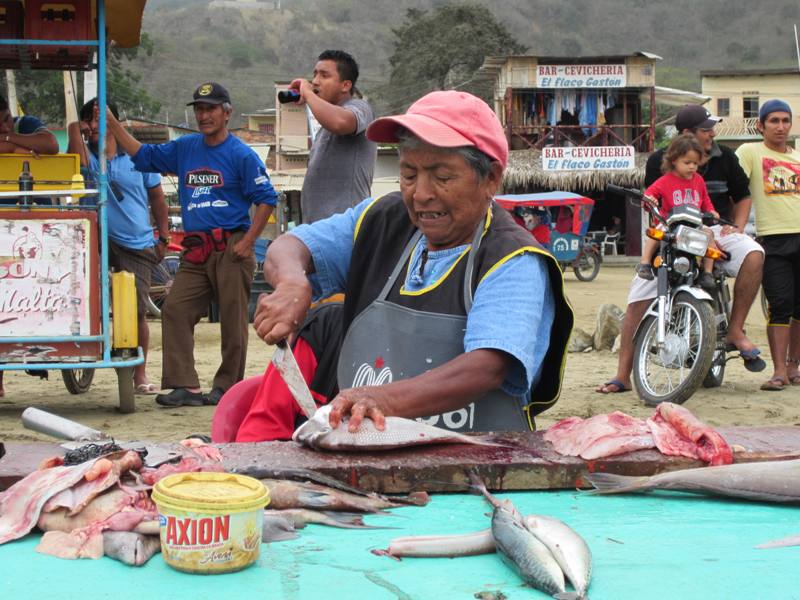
column 133, row 549
column 294, row 494
column 277, row 528
column 440, row 546
column 769, row 481
column 792, row 540
column 524, row 552
column 300, row 517
column 568, row 548
column 317, row 433
column 538, row 560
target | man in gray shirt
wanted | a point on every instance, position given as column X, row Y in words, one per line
column 342, row 159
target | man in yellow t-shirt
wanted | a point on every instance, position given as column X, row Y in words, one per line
column 773, row 167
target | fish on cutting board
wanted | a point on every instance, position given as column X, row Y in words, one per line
column 318, row 434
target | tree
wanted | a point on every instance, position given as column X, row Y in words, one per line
column 41, row 93
column 443, row 49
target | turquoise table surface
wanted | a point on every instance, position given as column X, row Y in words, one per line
column 660, row 546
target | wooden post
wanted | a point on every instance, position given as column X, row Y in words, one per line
column 509, row 102
column 652, row 138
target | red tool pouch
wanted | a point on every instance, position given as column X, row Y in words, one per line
column 219, row 239
column 197, row 247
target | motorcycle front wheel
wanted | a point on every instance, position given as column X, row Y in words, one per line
column 586, row 266
column 674, row 371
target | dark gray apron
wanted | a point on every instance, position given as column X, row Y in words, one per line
column 387, row 341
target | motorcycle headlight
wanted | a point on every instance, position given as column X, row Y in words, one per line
column 693, row 241
column 681, row 265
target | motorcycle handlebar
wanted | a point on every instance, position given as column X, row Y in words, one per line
column 622, row 191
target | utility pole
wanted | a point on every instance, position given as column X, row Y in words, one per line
column 11, row 84
column 70, row 98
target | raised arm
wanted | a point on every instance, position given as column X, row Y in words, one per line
column 126, row 141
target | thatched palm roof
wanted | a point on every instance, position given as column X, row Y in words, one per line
column 525, row 171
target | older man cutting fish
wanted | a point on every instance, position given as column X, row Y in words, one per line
column 450, row 312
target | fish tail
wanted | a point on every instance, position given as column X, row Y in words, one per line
column 609, row 483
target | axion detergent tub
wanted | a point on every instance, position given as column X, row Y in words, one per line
column 210, row 522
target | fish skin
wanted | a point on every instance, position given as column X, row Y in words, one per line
column 318, row 434
column 133, row 549
column 768, row 481
column 568, row 548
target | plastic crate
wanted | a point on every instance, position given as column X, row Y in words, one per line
column 60, row 20
column 12, row 26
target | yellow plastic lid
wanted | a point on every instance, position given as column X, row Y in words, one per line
column 211, row 491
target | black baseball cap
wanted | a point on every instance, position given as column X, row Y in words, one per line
column 694, row 116
column 209, row 93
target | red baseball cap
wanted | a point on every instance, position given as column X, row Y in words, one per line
column 448, row 119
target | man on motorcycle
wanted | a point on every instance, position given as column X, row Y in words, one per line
column 728, row 187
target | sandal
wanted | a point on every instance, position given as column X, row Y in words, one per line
column 794, row 379
column 776, row 384
column 146, row 389
column 616, row 383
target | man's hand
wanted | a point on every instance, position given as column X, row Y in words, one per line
column 280, row 313
column 302, row 87
column 243, row 248
column 728, row 229
column 357, row 403
column 160, row 250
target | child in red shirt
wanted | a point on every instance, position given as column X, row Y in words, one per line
column 679, row 185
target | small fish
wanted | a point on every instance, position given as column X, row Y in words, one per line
column 568, row 548
column 133, row 549
column 293, row 494
column 440, row 546
column 792, row 540
column 528, row 556
column 768, row 481
column 301, row 517
column 277, row 528
column 317, row 433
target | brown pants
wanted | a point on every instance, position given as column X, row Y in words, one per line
column 226, row 280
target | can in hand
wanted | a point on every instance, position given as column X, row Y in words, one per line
column 286, row 96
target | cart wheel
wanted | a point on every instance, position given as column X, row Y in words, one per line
column 127, row 401
column 161, row 282
column 586, row 266
column 77, row 381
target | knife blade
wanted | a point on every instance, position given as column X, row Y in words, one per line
column 287, row 366
column 55, row 426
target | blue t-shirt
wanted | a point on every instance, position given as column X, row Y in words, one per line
column 128, row 201
column 217, row 184
column 518, row 291
column 27, row 125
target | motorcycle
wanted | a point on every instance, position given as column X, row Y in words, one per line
column 680, row 343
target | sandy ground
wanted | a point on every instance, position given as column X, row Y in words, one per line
column 737, row 402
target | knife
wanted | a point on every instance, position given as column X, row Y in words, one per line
column 49, row 424
column 285, row 362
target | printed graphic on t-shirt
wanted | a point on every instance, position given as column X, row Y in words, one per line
column 780, row 177
column 687, row 196
column 204, row 178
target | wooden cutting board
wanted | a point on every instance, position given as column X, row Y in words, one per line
column 525, row 462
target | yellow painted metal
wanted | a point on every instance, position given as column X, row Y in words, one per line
column 123, row 306
column 50, row 172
